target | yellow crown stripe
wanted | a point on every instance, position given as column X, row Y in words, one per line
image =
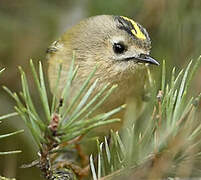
column 136, row 31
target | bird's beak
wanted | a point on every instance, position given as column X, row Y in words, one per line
column 144, row 58
column 147, row 59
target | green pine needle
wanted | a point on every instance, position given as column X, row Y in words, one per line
column 75, row 116
column 10, row 134
column 174, row 117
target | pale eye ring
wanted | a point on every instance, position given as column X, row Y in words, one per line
column 119, row 48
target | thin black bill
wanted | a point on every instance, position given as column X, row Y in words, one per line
column 144, row 59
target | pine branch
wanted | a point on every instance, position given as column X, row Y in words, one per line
column 64, row 121
column 168, row 140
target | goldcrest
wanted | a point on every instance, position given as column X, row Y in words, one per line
column 118, row 45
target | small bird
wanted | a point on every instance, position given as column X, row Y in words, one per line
column 118, row 45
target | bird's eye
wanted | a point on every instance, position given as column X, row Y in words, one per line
column 119, row 48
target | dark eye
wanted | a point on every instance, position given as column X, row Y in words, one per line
column 119, row 48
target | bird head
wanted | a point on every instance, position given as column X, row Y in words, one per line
column 118, row 45
column 113, row 41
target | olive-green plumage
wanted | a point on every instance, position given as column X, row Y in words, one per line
column 118, row 45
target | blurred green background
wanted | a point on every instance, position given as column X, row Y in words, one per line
column 27, row 28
